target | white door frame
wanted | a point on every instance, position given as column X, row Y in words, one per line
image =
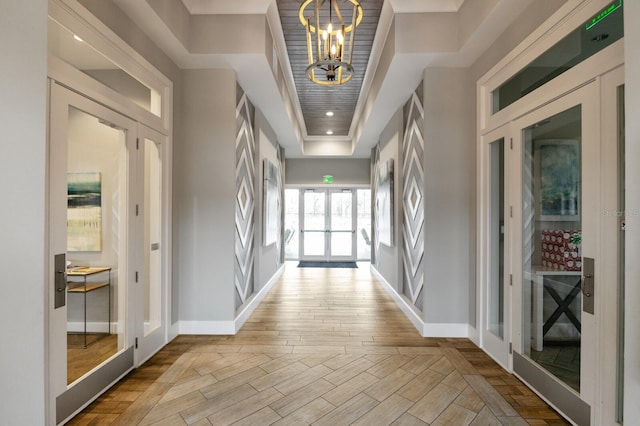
column 154, row 341
column 327, row 225
column 496, row 347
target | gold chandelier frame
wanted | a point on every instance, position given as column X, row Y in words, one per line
column 329, row 50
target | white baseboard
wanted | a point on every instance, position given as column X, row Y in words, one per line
column 425, row 329
column 207, row 327
column 250, row 306
column 445, row 330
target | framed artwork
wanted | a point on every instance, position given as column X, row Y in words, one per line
column 271, row 204
column 384, row 203
column 558, row 164
column 84, row 212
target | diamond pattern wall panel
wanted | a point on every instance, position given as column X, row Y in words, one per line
column 245, row 200
column 413, row 200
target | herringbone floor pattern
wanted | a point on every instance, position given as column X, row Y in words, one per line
column 325, row 347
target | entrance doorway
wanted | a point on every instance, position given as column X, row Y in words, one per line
column 328, row 224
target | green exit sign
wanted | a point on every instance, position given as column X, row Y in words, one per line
column 603, row 14
column 327, row 179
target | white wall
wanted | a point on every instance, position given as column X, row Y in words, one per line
column 23, row 364
column 345, row 171
column 204, row 195
column 632, row 295
column 389, row 259
column 449, row 135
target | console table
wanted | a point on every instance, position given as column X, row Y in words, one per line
column 84, row 284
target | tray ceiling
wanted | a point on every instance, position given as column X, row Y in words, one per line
column 316, row 100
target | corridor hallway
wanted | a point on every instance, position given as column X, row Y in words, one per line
column 328, row 347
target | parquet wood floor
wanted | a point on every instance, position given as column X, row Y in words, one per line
column 325, row 347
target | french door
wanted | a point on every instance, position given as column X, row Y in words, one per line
column 495, row 256
column 328, row 225
column 107, row 312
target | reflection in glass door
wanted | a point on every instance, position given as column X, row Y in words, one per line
column 552, row 239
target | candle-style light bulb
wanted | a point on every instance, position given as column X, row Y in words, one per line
column 333, row 49
column 339, row 36
column 324, row 35
column 329, row 28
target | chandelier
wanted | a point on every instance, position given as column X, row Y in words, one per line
column 329, row 40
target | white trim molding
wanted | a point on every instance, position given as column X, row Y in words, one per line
column 207, row 327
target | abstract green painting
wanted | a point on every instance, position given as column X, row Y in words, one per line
column 84, row 212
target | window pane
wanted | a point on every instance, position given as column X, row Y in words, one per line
column 585, row 41
column 79, row 54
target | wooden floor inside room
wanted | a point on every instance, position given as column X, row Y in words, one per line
column 325, row 347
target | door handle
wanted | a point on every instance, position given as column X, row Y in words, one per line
column 588, row 284
column 60, row 280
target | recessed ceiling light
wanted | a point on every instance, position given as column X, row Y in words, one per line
column 329, row 132
column 329, row 113
column 77, row 38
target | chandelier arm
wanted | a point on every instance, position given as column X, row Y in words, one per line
column 319, row 57
column 353, row 33
column 309, row 44
column 338, row 14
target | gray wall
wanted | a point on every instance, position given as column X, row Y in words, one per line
column 345, row 171
column 204, row 196
column 23, row 108
column 632, row 292
column 449, row 134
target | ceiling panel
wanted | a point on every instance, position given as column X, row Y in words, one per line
column 316, row 100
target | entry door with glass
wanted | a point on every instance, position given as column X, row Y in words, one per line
column 328, row 225
column 561, row 278
column 91, row 205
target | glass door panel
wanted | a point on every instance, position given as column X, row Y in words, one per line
column 496, row 291
column 341, row 226
column 552, row 243
column 314, row 224
column 96, row 182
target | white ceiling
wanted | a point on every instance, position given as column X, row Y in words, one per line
column 483, row 23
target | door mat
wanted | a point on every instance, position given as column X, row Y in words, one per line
column 308, row 264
